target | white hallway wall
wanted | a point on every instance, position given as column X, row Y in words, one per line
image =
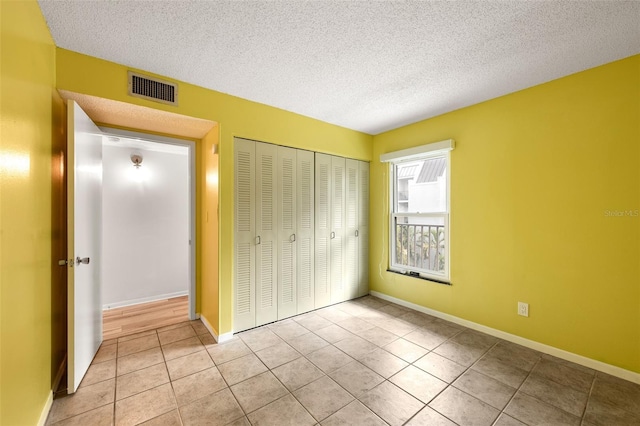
column 145, row 226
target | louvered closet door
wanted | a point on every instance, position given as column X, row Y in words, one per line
column 322, row 230
column 245, row 231
column 351, row 258
column 305, row 203
column 287, row 244
column 338, row 228
column 267, row 233
column 363, row 228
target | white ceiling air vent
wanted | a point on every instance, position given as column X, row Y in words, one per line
column 142, row 86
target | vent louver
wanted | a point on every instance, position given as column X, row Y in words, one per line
column 145, row 87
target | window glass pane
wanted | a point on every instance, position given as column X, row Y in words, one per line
column 421, row 186
column 420, row 243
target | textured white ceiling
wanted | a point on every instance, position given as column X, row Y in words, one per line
column 368, row 66
column 137, row 145
column 122, row 114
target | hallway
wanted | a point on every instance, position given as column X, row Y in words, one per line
column 119, row 322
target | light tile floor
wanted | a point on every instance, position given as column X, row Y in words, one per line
column 364, row 362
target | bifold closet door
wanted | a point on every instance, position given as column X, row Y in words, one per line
column 287, row 259
column 338, row 231
column 322, row 230
column 305, row 189
column 266, row 213
column 301, row 228
column 244, row 296
column 363, row 228
column 351, row 258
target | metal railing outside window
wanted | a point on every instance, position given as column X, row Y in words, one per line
column 420, row 246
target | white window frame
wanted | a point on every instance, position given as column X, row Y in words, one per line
column 436, row 149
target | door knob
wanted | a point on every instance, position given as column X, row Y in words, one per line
column 84, row 260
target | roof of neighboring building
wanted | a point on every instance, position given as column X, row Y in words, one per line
column 432, row 169
column 408, row 172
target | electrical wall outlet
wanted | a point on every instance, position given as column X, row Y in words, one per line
column 523, row 309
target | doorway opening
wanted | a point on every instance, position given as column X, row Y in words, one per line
column 79, row 295
column 148, row 226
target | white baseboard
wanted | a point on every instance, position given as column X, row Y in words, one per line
column 221, row 338
column 45, row 410
column 541, row 347
column 224, row 337
column 143, row 300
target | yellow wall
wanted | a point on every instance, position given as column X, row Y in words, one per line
column 532, row 177
column 59, row 247
column 209, row 307
column 27, row 101
column 236, row 117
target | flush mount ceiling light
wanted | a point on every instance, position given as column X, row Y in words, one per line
column 136, row 159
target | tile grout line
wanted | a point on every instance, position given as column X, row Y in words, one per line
column 586, row 406
column 171, row 381
column 228, row 387
column 518, row 389
column 214, row 366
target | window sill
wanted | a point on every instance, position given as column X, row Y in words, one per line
column 408, row 274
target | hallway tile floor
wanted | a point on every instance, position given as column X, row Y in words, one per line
column 361, row 362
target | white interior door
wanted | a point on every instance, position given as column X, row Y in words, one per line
column 84, row 210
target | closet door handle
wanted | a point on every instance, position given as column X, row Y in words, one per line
column 292, row 238
column 258, row 240
column 333, row 235
column 357, row 233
